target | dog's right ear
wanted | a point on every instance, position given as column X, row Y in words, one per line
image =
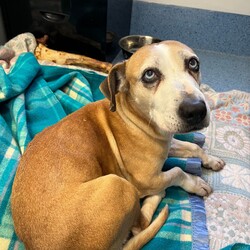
column 113, row 83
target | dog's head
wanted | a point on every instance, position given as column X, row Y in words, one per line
column 162, row 82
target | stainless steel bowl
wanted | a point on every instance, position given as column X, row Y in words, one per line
column 130, row 44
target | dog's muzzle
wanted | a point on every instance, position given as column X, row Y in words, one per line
column 192, row 111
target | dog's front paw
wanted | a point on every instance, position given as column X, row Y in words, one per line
column 214, row 163
column 196, row 185
column 202, row 188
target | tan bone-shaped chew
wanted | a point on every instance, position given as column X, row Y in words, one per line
column 64, row 58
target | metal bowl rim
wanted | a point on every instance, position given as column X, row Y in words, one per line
column 130, row 37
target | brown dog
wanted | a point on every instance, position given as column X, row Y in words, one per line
column 79, row 182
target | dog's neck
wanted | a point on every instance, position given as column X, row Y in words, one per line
column 147, row 149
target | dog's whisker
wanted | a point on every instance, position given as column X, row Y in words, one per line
column 149, row 122
column 150, row 114
column 132, row 101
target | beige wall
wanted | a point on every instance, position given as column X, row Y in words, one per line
column 231, row 6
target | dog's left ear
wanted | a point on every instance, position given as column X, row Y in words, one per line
column 113, row 83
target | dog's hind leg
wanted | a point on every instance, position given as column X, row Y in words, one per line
column 148, row 209
column 139, row 240
column 97, row 214
column 112, row 208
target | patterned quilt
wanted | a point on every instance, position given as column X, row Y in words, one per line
column 228, row 136
column 29, row 88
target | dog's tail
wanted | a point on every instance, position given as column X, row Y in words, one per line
column 139, row 240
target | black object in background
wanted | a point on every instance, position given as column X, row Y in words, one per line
column 88, row 27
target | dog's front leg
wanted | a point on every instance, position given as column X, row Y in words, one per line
column 191, row 183
column 188, row 149
column 173, row 177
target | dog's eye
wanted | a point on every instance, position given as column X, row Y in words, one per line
column 193, row 64
column 150, row 76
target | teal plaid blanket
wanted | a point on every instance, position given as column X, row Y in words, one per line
column 33, row 97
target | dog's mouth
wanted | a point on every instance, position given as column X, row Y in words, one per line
column 187, row 127
column 180, row 126
column 195, row 128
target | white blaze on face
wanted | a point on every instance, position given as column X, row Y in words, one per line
column 167, row 97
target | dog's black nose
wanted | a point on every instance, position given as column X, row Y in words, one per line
column 192, row 111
